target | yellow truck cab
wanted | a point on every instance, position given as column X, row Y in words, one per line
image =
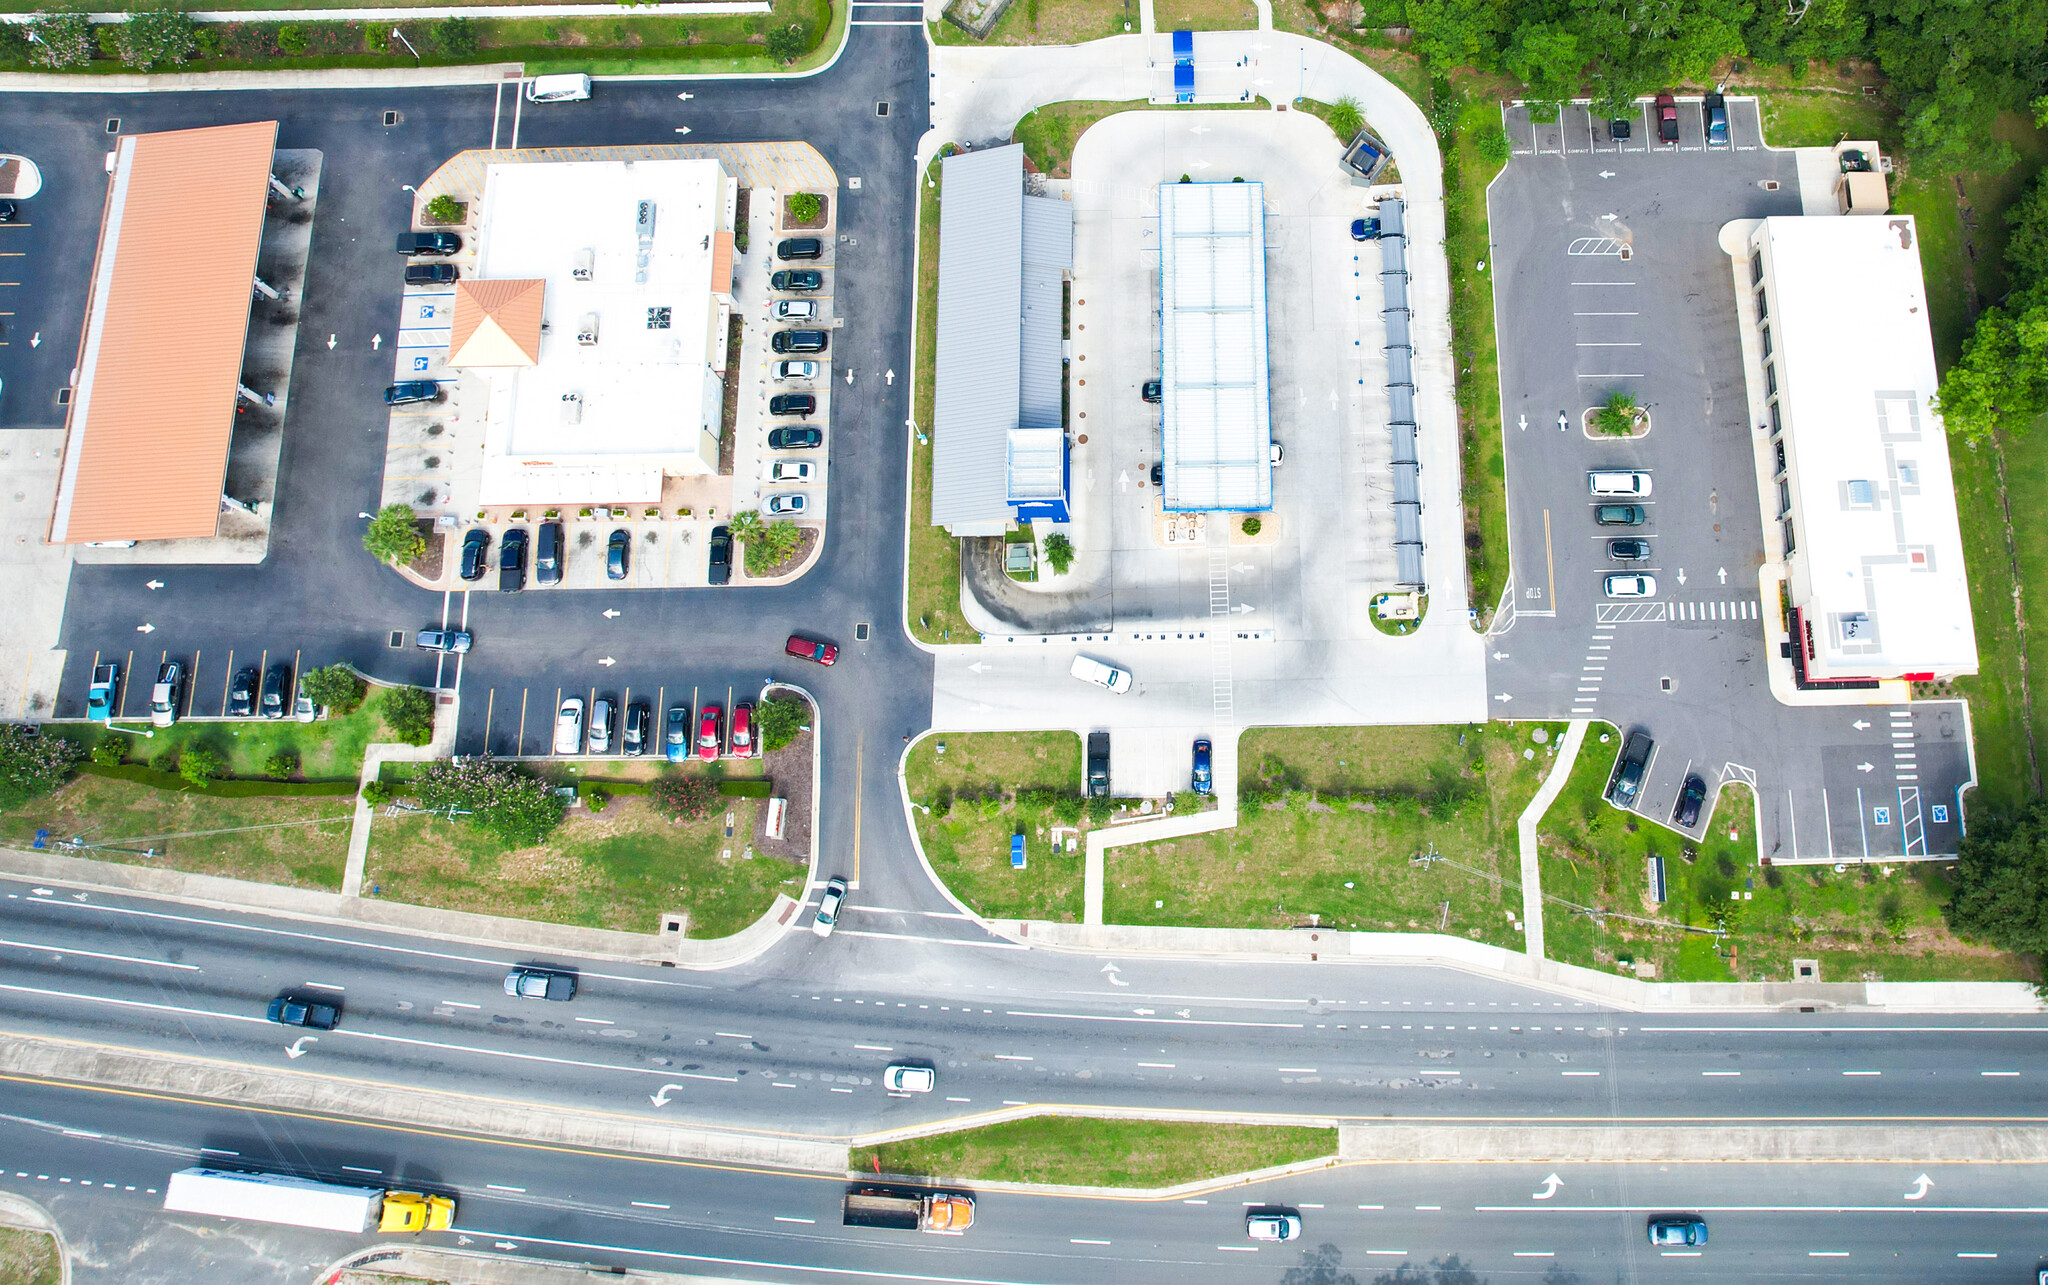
column 410, row 1211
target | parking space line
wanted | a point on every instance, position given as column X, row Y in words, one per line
column 226, row 679
column 490, row 707
column 519, row 747
column 192, row 684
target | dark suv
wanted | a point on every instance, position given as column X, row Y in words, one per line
column 476, row 553
column 547, row 554
column 429, row 274
column 432, row 243
column 277, row 696
column 786, row 341
column 792, row 404
column 1686, row 814
column 801, row 247
column 797, row 279
column 721, row 555
column 242, row 693
column 1630, row 769
column 512, row 561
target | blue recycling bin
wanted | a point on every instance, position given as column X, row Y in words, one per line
column 1016, row 852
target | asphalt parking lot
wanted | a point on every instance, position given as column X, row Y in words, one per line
column 1607, row 278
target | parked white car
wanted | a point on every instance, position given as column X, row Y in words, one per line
column 784, row 506
column 796, row 309
column 1631, row 586
column 795, row 370
column 569, row 726
column 798, row 471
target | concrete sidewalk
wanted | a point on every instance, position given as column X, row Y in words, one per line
column 1525, row 831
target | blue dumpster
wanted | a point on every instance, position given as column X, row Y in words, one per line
column 1016, row 852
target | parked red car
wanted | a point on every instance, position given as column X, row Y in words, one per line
column 708, row 725
column 743, row 745
column 811, row 649
column 1667, row 119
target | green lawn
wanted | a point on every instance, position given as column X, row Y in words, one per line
column 1050, row 133
column 1822, row 117
column 1346, row 843
column 29, row 1258
column 1204, row 15
column 328, row 750
column 298, row 842
column 1477, row 353
column 621, row 868
column 1870, row 923
column 1048, row 22
column 970, row 791
column 1096, row 1153
column 932, row 579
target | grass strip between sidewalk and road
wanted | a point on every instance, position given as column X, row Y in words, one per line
column 1078, row 1152
column 932, row 577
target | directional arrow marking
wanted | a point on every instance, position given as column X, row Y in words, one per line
column 611, row 613
column 1866, row 767
column 979, row 668
column 298, row 1047
column 1723, row 573
column 607, row 662
column 1522, row 422
column 1681, row 575
column 36, row 340
column 1110, row 970
column 1550, row 1185
column 660, row 1098
column 1860, row 725
column 686, row 97
column 1503, row 697
column 682, row 129
column 1920, row 1186
column 1500, row 655
column 890, row 376
column 330, row 343
column 145, row 629
column 376, row 342
column 1606, row 173
column 152, row 584
column 1243, row 609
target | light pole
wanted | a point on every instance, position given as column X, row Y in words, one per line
column 399, row 36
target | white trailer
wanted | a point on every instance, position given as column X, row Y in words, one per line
column 273, row 1198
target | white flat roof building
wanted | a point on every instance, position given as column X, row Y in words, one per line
column 1218, row 430
column 1865, row 506
column 629, row 264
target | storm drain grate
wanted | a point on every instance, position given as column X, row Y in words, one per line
column 397, row 638
column 63, row 397
column 113, row 124
column 390, row 118
column 860, row 632
column 881, row 109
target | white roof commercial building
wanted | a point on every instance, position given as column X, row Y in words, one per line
column 1859, row 470
column 1218, row 430
column 597, row 316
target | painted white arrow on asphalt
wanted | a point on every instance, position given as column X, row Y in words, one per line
column 44, row 892
column 889, row 377
column 506, row 1244
column 661, row 1099
column 849, row 376
column 1201, row 165
column 145, row 629
column 376, row 343
column 979, row 668
column 607, row 662
column 611, row 613
column 1242, row 568
column 36, row 340
column 1723, row 573
column 1183, row 1012
column 298, row 1048
column 1860, row 725
column 1681, row 575
column 1143, row 1012
column 152, row 584
column 1500, row 655
column 1502, row 697
column 1866, row 767
column 1109, row 970
column 1123, row 481
column 682, row 129
column 1522, row 422
column 1606, row 173
column 1199, row 129
column 1550, row 1185
column 685, row 97
column 1243, row 609
column 330, row 343
column 1920, row 1186
column 1563, row 424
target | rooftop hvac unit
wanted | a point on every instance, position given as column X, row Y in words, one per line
column 586, row 331
column 586, row 261
column 643, row 225
column 572, row 409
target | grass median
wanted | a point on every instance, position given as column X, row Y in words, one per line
column 1097, row 1153
column 968, row 805
column 932, row 577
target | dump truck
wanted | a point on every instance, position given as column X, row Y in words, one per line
column 302, row 1202
column 903, row 1209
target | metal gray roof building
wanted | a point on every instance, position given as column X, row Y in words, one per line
column 998, row 432
column 1217, row 429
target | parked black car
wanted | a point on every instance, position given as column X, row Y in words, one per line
column 242, row 693
column 429, row 274
column 277, row 692
column 547, row 554
column 792, row 404
column 512, row 561
column 476, row 553
column 431, row 243
column 412, row 390
column 797, row 279
column 798, row 341
column 721, row 554
column 1630, row 769
column 1628, row 550
column 637, row 723
column 1098, row 765
column 800, row 247
column 795, row 439
column 1151, row 390
column 1690, row 796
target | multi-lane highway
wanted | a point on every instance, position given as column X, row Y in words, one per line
column 797, row 1042
column 1508, row 1223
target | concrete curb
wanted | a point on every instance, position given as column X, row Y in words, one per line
column 1201, row 1186
column 291, row 1092
column 215, row 81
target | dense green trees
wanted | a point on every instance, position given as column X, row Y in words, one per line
column 2001, row 893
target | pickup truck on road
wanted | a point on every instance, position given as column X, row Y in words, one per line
column 908, row 1210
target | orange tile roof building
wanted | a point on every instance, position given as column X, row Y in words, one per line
column 153, row 406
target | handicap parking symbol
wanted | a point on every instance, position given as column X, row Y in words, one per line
column 1881, row 816
column 420, row 363
column 1940, row 813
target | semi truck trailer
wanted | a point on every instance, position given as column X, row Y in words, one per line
column 905, row 1210
column 302, row 1202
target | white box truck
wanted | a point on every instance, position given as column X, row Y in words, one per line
column 302, row 1202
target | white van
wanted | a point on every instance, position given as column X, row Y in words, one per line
column 1094, row 671
column 1629, row 484
column 558, row 89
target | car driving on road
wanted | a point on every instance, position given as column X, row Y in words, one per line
column 1272, row 1224
column 448, row 640
column 810, row 649
column 1678, row 1229
column 528, row 982
column 910, row 1079
column 828, row 908
column 290, row 1010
